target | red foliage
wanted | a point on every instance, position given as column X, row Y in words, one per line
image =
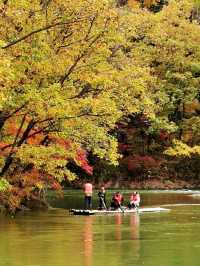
column 81, row 157
column 133, row 164
column 123, row 147
column 3, row 144
column 56, row 186
column 58, row 157
column 35, row 139
column 163, row 135
column 148, row 161
column 4, row 148
column 62, row 142
column 12, row 128
column 131, row 131
column 139, row 162
column 49, row 178
column 31, row 177
column 27, row 183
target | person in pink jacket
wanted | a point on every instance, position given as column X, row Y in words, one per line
column 87, row 188
column 134, row 200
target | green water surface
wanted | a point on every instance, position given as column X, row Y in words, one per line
column 56, row 238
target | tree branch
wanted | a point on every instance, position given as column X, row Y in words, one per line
column 6, row 116
column 47, row 27
column 9, row 158
column 84, row 53
column 79, row 57
column 91, row 26
column 42, row 130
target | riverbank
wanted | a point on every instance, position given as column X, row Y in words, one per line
column 166, row 184
column 151, row 184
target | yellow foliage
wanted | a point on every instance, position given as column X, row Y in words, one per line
column 75, row 68
column 181, row 149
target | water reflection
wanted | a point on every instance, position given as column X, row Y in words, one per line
column 118, row 230
column 134, row 225
column 135, row 235
column 88, row 240
column 127, row 237
column 117, row 236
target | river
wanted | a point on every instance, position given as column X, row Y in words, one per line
column 56, row 238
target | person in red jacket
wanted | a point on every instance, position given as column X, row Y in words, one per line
column 134, row 200
column 117, row 200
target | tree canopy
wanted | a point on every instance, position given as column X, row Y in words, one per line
column 64, row 83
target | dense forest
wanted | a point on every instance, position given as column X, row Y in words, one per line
column 106, row 90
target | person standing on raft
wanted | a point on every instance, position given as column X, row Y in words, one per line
column 117, row 200
column 87, row 188
column 102, row 198
column 134, row 200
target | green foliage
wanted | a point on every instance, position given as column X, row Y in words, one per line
column 196, row 3
column 162, row 123
column 195, row 69
column 4, row 185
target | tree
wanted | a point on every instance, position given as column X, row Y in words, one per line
column 64, row 83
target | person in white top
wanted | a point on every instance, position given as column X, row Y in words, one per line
column 134, row 200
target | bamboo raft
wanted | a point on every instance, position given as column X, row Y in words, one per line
column 122, row 210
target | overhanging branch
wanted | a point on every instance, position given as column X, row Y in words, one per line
column 47, row 27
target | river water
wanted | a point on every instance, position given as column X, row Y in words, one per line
column 56, row 238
